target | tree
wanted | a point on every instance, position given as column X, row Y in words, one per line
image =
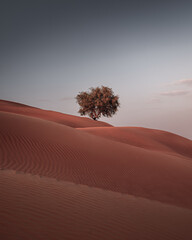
column 97, row 102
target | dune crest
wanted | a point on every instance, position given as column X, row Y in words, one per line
column 151, row 139
column 65, row 119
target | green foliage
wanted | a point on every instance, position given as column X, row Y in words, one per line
column 97, row 102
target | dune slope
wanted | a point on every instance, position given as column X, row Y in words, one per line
column 145, row 138
column 66, row 177
column 49, row 149
column 69, row 120
column 43, row 208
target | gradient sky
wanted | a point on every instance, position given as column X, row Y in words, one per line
column 51, row 50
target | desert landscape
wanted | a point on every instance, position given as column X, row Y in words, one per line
column 95, row 120
column 69, row 177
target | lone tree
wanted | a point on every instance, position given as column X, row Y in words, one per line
column 98, row 101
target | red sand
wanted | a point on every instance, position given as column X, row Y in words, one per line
column 146, row 138
column 107, row 188
column 43, row 208
column 69, row 120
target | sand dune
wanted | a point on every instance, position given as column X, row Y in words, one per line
column 49, row 149
column 43, row 208
column 69, row 120
column 146, row 138
column 59, row 182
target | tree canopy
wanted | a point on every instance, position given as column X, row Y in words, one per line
column 98, row 101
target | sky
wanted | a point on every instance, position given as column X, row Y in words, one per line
column 52, row 50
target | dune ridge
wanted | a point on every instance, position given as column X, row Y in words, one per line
column 151, row 139
column 69, row 120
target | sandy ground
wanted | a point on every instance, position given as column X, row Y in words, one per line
column 78, row 180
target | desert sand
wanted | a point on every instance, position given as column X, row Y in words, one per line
column 69, row 120
column 146, row 138
column 68, row 177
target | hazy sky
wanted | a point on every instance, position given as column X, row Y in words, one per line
column 51, row 50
